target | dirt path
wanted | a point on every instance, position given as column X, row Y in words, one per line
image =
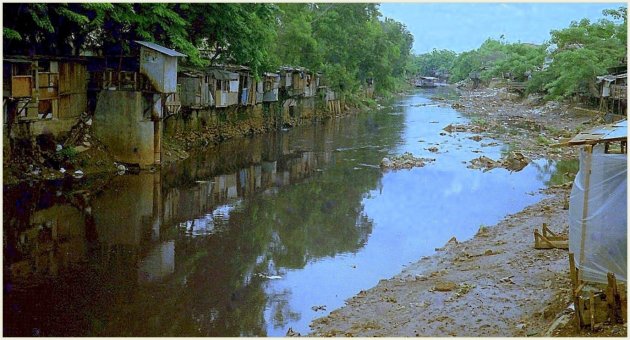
column 495, row 284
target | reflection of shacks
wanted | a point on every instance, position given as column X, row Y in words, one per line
column 225, row 87
column 271, row 84
column 230, row 183
column 55, row 242
column 46, row 87
column 257, row 176
column 268, row 173
column 158, row 264
column 598, row 216
column 195, row 90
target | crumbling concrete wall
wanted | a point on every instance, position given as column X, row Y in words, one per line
column 236, row 121
column 121, row 124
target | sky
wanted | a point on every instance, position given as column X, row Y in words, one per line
column 465, row 26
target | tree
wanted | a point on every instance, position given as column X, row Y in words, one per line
column 584, row 50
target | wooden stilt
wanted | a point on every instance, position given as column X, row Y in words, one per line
column 587, row 184
column 574, row 283
column 611, row 297
column 591, row 309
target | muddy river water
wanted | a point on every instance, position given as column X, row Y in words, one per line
column 254, row 237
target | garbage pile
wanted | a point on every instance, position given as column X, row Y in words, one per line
column 515, row 161
column 80, row 134
column 404, row 161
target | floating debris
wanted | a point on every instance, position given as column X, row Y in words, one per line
column 291, row 332
column 318, row 308
column 404, row 161
column 269, row 277
column 515, row 161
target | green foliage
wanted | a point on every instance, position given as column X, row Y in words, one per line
column 348, row 41
column 434, row 63
column 68, row 154
column 584, row 50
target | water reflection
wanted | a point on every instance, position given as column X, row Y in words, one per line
column 245, row 239
column 188, row 251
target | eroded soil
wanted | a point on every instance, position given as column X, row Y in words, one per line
column 495, row 284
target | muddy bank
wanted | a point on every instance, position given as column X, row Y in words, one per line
column 495, row 284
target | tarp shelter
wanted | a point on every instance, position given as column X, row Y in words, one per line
column 598, row 206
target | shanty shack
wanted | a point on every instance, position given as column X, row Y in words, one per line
column 44, row 88
column 312, row 82
column 598, row 214
column 246, row 87
column 271, row 85
column 293, row 80
column 160, row 65
column 426, row 82
column 194, row 90
column 613, row 92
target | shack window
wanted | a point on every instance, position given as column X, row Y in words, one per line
column 234, row 85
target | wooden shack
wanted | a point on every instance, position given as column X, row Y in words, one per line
column 260, row 92
column 271, row 86
column 194, row 90
column 45, row 87
column 426, row 82
column 613, row 92
column 159, row 64
column 246, row 85
column 293, row 80
column 225, row 86
column 312, row 82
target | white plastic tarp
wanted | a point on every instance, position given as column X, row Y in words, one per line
column 597, row 230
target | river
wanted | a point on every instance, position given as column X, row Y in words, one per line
column 255, row 236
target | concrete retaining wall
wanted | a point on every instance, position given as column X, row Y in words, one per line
column 120, row 124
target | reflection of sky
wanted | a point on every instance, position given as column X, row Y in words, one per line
column 413, row 211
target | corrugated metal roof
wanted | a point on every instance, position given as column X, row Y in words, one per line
column 607, row 133
column 223, row 75
column 160, row 49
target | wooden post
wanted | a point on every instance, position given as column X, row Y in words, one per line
column 591, row 299
column 587, row 187
column 612, row 299
column 574, row 293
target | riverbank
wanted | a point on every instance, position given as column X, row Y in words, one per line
column 47, row 158
column 495, row 284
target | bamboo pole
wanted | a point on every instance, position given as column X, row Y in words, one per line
column 587, row 187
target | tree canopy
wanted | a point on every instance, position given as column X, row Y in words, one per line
column 565, row 65
column 348, row 42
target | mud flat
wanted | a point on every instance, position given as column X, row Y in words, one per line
column 495, row 284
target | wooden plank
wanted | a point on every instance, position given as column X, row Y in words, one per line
column 21, row 86
column 587, row 187
column 611, row 296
